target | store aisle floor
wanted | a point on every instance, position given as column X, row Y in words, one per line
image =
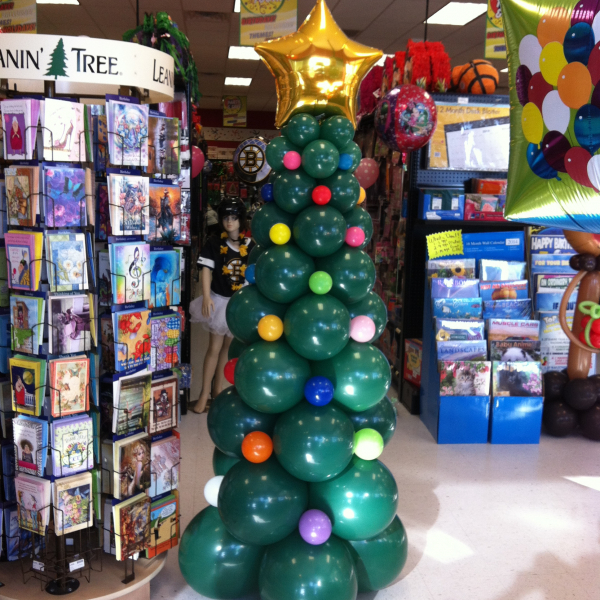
column 484, row 522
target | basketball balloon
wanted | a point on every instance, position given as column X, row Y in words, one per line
column 477, row 77
column 405, row 118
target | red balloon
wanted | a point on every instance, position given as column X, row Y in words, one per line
column 554, row 147
column 197, row 161
column 538, row 89
column 594, row 64
column 229, row 370
column 367, row 172
column 321, row 195
column 576, row 161
column 405, row 118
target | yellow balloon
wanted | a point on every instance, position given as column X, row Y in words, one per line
column 552, row 62
column 270, row 328
column 280, row 234
column 318, row 69
column 532, row 123
column 362, row 196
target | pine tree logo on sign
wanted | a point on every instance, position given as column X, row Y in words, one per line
column 58, row 61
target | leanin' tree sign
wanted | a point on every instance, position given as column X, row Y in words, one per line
column 87, row 60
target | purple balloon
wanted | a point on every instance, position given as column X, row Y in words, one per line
column 315, row 527
column 584, row 12
column 596, row 96
column 554, row 146
column 522, row 84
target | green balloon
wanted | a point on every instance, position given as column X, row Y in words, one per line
column 230, row 419
column 381, row 418
column 380, row 559
column 261, row 503
column 296, row 570
column 360, row 374
column 301, row 129
column 320, row 282
column 255, row 253
column 270, row 376
column 317, row 327
column 361, row 501
column 352, row 271
column 264, row 218
column 222, row 463
column 359, row 217
column 353, row 149
column 345, row 190
column 282, row 273
column 213, row 562
column 245, row 309
column 277, row 149
column 319, row 230
column 371, row 306
column 236, row 347
column 292, row 190
column 320, row 159
column 338, row 130
column 313, row 443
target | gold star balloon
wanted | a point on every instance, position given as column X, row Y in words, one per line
column 318, row 69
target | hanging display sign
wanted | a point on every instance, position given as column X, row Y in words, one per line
column 19, row 16
column 495, row 42
column 83, row 60
column 262, row 20
column 234, row 111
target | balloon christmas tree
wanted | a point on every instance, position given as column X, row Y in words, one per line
column 300, row 504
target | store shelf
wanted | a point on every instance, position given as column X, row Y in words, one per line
column 432, row 224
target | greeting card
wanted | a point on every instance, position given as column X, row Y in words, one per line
column 69, row 320
column 132, row 526
column 73, row 505
column 165, row 211
column 127, row 133
column 22, row 195
column 132, row 344
column 130, row 269
column 69, row 385
column 66, row 255
column 65, row 192
column 164, row 399
column 63, row 131
column 129, row 204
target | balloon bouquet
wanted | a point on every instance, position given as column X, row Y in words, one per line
column 554, row 174
column 300, row 504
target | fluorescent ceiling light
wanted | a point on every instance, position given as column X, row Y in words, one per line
column 73, row 2
column 457, row 13
column 381, row 61
column 236, row 7
column 505, row 70
column 242, row 81
column 243, row 53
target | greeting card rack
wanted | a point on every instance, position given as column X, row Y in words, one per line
column 61, row 562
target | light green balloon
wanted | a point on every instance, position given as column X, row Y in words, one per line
column 368, row 444
column 320, row 282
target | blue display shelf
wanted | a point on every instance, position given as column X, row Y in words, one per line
column 516, row 420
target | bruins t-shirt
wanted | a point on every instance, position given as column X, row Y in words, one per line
column 227, row 264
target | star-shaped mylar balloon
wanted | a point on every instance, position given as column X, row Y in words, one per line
column 318, row 69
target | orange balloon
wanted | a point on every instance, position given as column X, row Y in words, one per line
column 270, row 328
column 553, row 26
column 574, row 85
column 257, row 447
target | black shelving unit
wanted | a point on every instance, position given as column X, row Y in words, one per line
column 418, row 229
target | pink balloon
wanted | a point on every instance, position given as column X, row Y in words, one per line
column 197, row 161
column 292, row 160
column 362, row 329
column 367, row 172
column 355, row 236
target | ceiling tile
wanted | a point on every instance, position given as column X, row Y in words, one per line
column 208, row 5
column 350, row 15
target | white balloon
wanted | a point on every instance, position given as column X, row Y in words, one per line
column 596, row 27
column 529, row 53
column 593, row 170
column 555, row 112
column 211, row 490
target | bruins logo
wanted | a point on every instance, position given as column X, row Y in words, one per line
column 250, row 160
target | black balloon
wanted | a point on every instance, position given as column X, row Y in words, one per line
column 580, row 394
column 559, row 418
column 554, row 383
column 589, row 421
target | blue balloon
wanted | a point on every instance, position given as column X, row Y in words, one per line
column 587, row 127
column 345, row 162
column 538, row 164
column 318, row 391
column 249, row 274
column 267, row 192
column 579, row 43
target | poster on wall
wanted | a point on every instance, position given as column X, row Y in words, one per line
column 495, row 42
column 262, row 20
column 19, row 16
column 234, row 111
column 470, row 137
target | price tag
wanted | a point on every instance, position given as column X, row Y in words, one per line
column 462, row 100
column 69, row 541
column 77, row 564
column 38, row 566
column 446, row 243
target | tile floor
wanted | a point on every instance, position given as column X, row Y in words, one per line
column 484, row 522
